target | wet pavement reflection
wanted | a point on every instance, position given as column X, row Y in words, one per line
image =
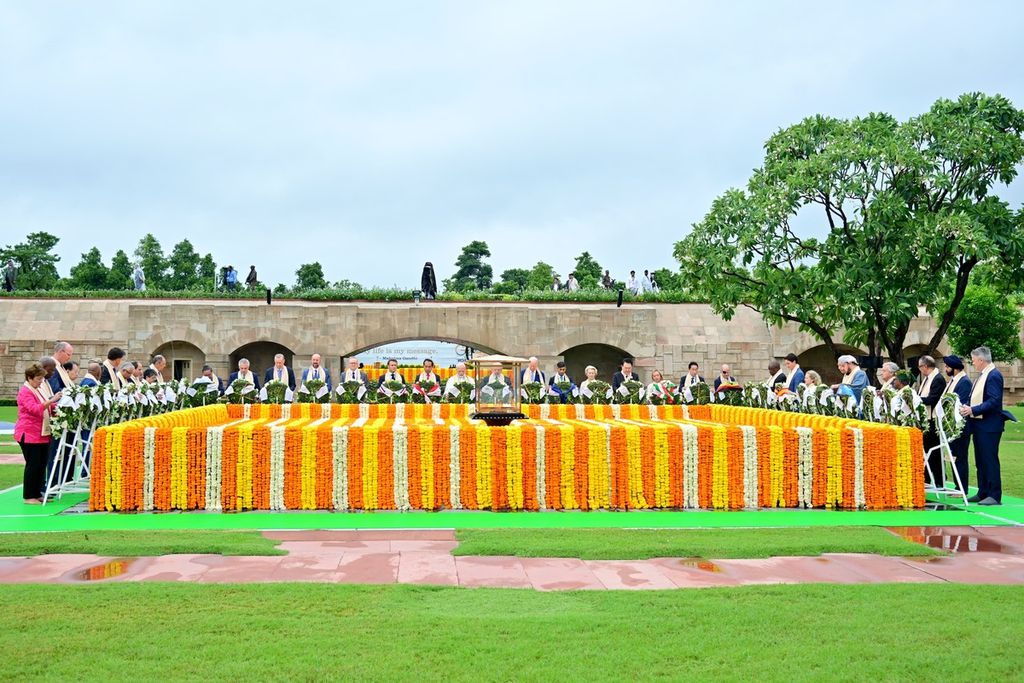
column 954, row 539
column 106, row 570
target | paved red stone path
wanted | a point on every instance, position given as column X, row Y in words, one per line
column 981, row 555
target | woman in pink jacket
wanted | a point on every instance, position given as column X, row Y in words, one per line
column 32, row 431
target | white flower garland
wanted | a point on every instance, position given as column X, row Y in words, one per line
column 435, row 413
column 364, row 411
column 277, row 467
column 286, row 411
column 860, row 500
column 690, row 454
column 580, row 413
column 339, row 452
column 400, row 458
column 545, row 411
column 455, row 468
column 214, row 445
column 686, row 412
column 805, row 466
column 247, row 411
column 749, row 466
column 541, row 465
column 652, row 411
column 325, row 411
column 148, row 453
column 399, row 412
column 616, row 411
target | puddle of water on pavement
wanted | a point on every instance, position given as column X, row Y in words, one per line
column 703, row 565
column 106, row 570
column 949, row 540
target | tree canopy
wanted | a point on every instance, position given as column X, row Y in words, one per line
column 35, row 261
column 855, row 225
column 310, row 276
column 471, row 271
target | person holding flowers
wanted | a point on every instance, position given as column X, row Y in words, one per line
column 244, row 373
column 692, row 376
column 532, row 373
column 32, row 431
column 960, row 384
column 317, row 372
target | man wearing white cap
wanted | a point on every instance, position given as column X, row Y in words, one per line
column 853, row 377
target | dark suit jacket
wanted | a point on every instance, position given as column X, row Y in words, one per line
column 935, row 390
column 686, row 377
column 88, row 381
column 104, row 375
column 962, row 388
column 991, row 406
column 796, row 379
column 55, row 382
column 385, row 378
column 269, row 375
column 779, row 378
column 618, row 379
column 234, row 376
column 718, row 381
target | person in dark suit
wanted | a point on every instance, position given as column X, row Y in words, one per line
column 280, row 372
column 985, row 421
column 62, row 352
column 392, row 375
column 317, row 371
column 960, row 384
column 692, row 376
column 930, row 390
column 92, row 375
column 794, row 372
column 625, row 374
column 109, row 373
column 560, row 377
column 354, row 374
column 209, row 374
column 724, row 376
column 775, row 374
column 244, row 373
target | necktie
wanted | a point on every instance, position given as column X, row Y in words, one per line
column 536, row 376
column 279, row 378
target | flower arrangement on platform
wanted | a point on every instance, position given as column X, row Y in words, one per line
column 275, row 391
column 353, row 392
column 663, row 393
column 432, row 456
column 698, row 394
column 392, row 392
column 563, row 393
column 202, row 392
column 596, row 392
column 239, row 392
column 532, row 393
column 630, row 392
column 425, row 391
column 313, row 391
column 460, row 391
column 947, row 414
column 729, row 393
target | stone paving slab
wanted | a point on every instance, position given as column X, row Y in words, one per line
column 989, row 556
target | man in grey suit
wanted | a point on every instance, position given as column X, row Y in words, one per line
column 354, row 374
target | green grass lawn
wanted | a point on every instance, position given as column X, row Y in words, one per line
column 626, row 544
column 8, row 413
column 139, row 543
column 10, row 475
column 323, row 632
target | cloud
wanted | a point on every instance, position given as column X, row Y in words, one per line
column 374, row 138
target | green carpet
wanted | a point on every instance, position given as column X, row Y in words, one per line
column 16, row 516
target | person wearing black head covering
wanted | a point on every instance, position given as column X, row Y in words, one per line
column 960, row 384
column 428, row 285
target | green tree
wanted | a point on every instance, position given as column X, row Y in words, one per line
column 667, row 280
column 90, row 272
column 183, row 263
column 120, row 271
column 986, row 317
column 471, row 271
column 907, row 212
column 541, row 276
column 347, row 284
column 207, row 273
column 310, row 276
column 35, row 260
column 513, row 281
column 154, row 264
column 588, row 271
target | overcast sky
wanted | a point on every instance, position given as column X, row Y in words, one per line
column 376, row 136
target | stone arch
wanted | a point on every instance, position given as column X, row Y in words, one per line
column 821, row 359
column 184, row 359
column 605, row 357
column 162, row 336
column 279, row 336
column 261, row 356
